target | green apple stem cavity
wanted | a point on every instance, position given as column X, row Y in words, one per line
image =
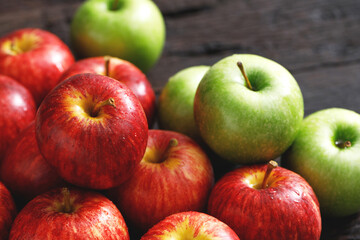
column 95, row 111
column 115, row 5
column 270, row 166
column 66, row 206
column 241, row 67
column 343, row 144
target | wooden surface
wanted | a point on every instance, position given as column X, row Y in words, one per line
column 317, row 40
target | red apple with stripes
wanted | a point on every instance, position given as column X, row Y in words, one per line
column 36, row 58
column 24, row 170
column 93, row 130
column 7, row 211
column 18, row 110
column 266, row 202
column 190, row 225
column 64, row 213
column 175, row 175
column 123, row 71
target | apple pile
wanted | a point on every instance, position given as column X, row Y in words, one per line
column 80, row 159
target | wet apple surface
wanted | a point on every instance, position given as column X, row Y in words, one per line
column 93, row 130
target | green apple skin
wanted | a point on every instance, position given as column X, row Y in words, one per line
column 248, row 126
column 332, row 171
column 176, row 101
column 134, row 31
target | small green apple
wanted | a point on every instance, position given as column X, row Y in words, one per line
column 326, row 152
column 248, row 119
column 133, row 30
column 176, row 101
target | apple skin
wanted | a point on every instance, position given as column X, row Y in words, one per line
column 123, row 71
column 176, row 101
column 92, row 146
column 92, row 216
column 24, row 171
column 134, row 31
column 7, row 211
column 286, row 209
column 190, row 225
column 18, row 108
column 39, row 64
column 333, row 172
column 248, row 126
column 166, row 181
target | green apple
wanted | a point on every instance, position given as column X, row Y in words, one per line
column 133, row 30
column 326, row 152
column 248, row 117
column 176, row 101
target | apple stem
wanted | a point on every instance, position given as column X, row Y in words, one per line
column 14, row 48
column 343, row 144
column 67, row 203
column 98, row 106
column 270, row 166
column 107, row 65
column 173, row 142
column 241, row 67
column 115, row 5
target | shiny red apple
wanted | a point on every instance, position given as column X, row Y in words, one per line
column 24, row 171
column 190, row 225
column 69, row 214
column 93, row 130
column 266, row 202
column 7, row 211
column 123, row 71
column 18, row 110
column 175, row 175
column 36, row 58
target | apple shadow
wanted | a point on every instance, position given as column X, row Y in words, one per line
column 344, row 228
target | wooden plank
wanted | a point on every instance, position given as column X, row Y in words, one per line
column 181, row 7
column 332, row 86
column 54, row 18
column 299, row 35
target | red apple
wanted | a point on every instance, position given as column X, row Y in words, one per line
column 35, row 58
column 7, row 211
column 123, row 71
column 24, row 171
column 93, row 130
column 69, row 214
column 18, row 110
column 175, row 175
column 259, row 202
column 190, row 225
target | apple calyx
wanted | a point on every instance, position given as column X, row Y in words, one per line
column 270, row 166
column 343, row 144
column 23, row 44
column 99, row 105
column 67, row 206
column 241, row 67
column 15, row 49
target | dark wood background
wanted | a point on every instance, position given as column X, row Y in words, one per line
column 317, row 40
